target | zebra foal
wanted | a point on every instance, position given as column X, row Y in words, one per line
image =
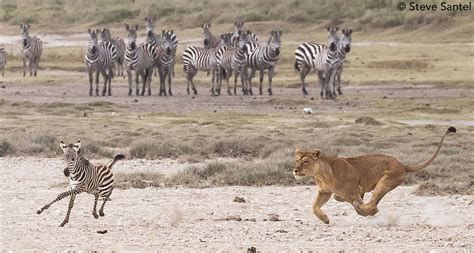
column 84, row 177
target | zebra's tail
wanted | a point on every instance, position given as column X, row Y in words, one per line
column 296, row 66
column 116, row 158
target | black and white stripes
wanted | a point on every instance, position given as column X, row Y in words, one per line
column 84, row 177
column 140, row 58
column 31, row 49
column 262, row 57
column 101, row 59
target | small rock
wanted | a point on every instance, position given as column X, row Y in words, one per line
column 251, row 220
column 367, row 121
column 274, row 217
column 252, row 250
column 135, row 100
column 233, row 218
column 102, row 231
column 215, row 110
column 281, row 231
column 239, row 199
column 312, row 98
column 84, row 114
column 3, row 87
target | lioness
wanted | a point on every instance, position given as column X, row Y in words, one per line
column 349, row 178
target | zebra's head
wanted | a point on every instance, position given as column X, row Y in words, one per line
column 131, row 36
column 24, row 31
column 71, row 154
column 275, row 41
column 94, row 40
column 238, row 27
column 105, row 34
column 226, row 39
column 333, row 40
column 346, row 40
column 167, row 43
column 149, row 24
column 206, row 28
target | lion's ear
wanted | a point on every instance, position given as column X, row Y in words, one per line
column 298, row 153
column 316, row 153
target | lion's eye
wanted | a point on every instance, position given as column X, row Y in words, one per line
column 305, row 162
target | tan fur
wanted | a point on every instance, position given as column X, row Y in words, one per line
column 350, row 178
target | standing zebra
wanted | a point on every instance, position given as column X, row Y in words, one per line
column 83, row 176
column 119, row 45
column 203, row 59
column 32, row 47
column 139, row 58
column 210, row 41
column 100, row 58
column 3, row 60
column 165, row 61
column 311, row 56
column 156, row 39
column 233, row 60
column 345, row 46
column 262, row 57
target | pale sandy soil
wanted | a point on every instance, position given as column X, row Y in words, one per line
column 177, row 219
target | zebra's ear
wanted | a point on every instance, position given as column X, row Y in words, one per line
column 280, row 32
column 350, row 31
column 328, row 28
column 77, row 145
column 136, row 27
column 337, row 28
column 343, row 31
column 27, row 26
column 171, row 31
column 21, row 26
column 127, row 27
column 89, row 31
column 62, row 146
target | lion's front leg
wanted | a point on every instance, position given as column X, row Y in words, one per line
column 321, row 199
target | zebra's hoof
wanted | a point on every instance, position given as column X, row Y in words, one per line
column 260, row 92
column 39, row 212
column 101, row 214
column 251, row 92
column 339, row 91
column 109, row 94
column 90, row 93
column 63, row 223
column 171, row 94
column 229, row 93
column 305, row 93
column 270, row 92
column 95, row 215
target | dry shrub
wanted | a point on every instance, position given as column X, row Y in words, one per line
column 152, row 149
column 139, row 179
column 6, row 148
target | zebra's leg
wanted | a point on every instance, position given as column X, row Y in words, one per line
column 97, row 83
column 101, row 210
column 91, row 80
column 58, row 198
column 94, row 209
column 162, row 80
column 165, row 75
column 249, row 80
column 322, row 78
column 109, row 92
column 137, row 89
column 106, row 79
column 69, row 208
column 149, row 76
column 236, row 76
column 303, row 73
column 169, row 82
column 338, row 80
column 330, row 91
column 145, row 79
column 129, row 75
column 229, row 74
column 260, row 89
column 213, row 73
column 30, row 66
column 271, row 71
column 243, row 81
column 24, row 66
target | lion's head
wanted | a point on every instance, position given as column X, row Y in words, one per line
column 306, row 163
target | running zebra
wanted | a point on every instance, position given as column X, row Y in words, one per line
column 231, row 61
column 203, row 59
column 100, row 58
column 119, row 45
column 32, row 47
column 262, row 57
column 140, row 58
column 312, row 56
column 165, row 61
column 3, row 60
column 83, row 176
column 210, row 41
column 344, row 46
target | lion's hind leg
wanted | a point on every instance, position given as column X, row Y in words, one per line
column 385, row 184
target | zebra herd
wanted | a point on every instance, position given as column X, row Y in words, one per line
column 235, row 53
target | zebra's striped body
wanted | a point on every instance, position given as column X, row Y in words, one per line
column 85, row 177
column 100, row 58
column 165, row 60
column 139, row 58
column 32, row 48
column 262, row 57
column 3, row 60
column 344, row 47
column 119, row 45
column 231, row 61
column 312, row 56
column 202, row 59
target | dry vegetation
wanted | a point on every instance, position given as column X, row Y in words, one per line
column 250, row 141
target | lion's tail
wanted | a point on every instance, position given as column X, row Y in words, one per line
column 423, row 165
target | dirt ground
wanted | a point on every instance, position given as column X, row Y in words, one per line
column 174, row 219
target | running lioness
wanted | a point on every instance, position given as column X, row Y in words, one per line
column 349, row 178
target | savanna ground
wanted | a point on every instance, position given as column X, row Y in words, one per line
column 189, row 156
